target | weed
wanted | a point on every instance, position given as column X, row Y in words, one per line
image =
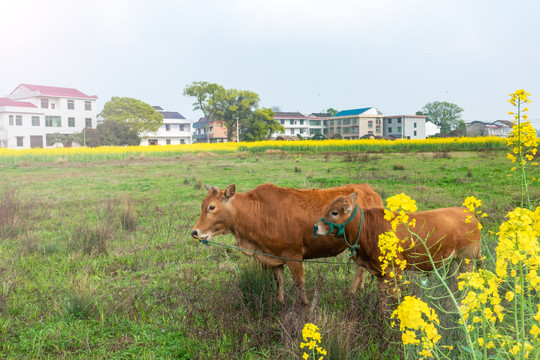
column 128, row 215
column 398, row 167
column 198, row 184
column 442, row 155
column 13, row 213
column 297, row 169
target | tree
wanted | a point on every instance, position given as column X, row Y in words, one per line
column 209, row 98
column 137, row 115
column 260, row 125
column 236, row 105
column 108, row 133
column 331, row 111
column 443, row 114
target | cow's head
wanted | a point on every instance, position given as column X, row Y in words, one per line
column 338, row 212
column 216, row 213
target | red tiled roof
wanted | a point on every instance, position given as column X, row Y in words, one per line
column 58, row 91
column 9, row 102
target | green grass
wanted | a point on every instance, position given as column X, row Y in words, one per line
column 76, row 284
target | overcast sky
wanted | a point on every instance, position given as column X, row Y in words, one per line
column 299, row 55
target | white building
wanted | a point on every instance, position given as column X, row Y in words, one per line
column 405, row 126
column 296, row 124
column 432, row 129
column 33, row 112
column 175, row 130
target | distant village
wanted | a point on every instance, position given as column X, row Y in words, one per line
column 31, row 115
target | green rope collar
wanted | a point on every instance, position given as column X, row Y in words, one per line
column 341, row 229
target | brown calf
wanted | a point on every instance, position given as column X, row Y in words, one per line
column 446, row 233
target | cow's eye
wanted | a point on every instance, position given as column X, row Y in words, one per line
column 334, row 213
column 211, row 207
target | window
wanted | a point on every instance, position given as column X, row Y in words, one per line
column 346, row 121
column 415, row 125
column 11, row 120
column 20, row 141
column 35, row 120
column 87, row 105
column 167, row 127
column 44, row 103
column 338, row 122
column 314, row 122
column 53, row 121
column 88, row 122
column 389, row 129
column 301, row 122
column 18, row 120
column 355, row 122
column 370, row 124
column 415, row 133
column 301, row 131
column 182, row 141
column 168, row 141
column 292, row 131
column 291, row 122
column 152, row 142
column 71, row 104
column 399, row 121
column 71, row 122
column 181, row 127
column 389, row 121
column 399, row 129
column 282, row 122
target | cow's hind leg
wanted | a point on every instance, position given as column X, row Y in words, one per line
column 279, row 275
column 297, row 271
column 359, row 280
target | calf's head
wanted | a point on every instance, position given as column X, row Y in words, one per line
column 216, row 213
column 338, row 212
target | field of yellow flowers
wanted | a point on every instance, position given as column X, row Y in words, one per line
column 84, row 154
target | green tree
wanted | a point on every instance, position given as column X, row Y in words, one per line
column 209, row 99
column 259, row 126
column 108, row 133
column 443, row 114
column 237, row 106
column 137, row 115
column 331, row 111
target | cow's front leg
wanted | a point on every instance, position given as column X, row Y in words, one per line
column 297, row 271
column 279, row 275
column 359, row 280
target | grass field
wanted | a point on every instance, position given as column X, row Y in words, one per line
column 96, row 260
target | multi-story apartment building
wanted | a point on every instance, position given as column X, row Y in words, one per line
column 175, row 130
column 355, row 123
column 31, row 113
column 405, row 126
column 296, row 124
column 209, row 132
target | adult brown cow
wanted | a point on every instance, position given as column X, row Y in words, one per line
column 448, row 233
column 278, row 221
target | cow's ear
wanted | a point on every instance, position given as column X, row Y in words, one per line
column 229, row 191
column 353, row 196
column 346, row 207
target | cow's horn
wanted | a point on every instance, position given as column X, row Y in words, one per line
column 208, row 187
column 216, row 189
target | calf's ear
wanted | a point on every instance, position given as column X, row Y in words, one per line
column 353, row 196
column 230, row 191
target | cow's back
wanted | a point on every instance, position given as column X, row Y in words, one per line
column 287, row 215
column 447, row 232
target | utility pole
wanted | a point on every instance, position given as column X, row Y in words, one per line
column 237, row 130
